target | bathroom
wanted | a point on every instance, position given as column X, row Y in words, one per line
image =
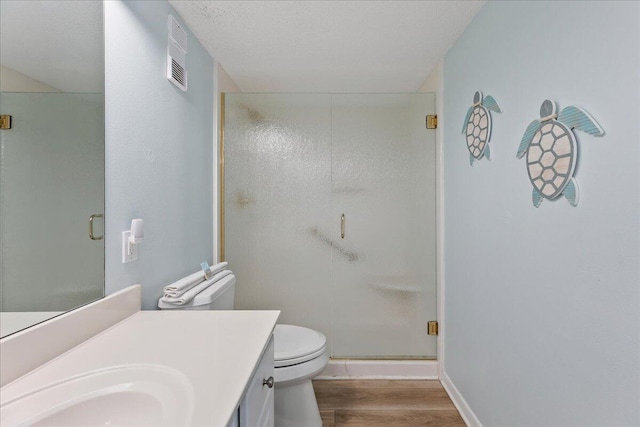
column 538, row 309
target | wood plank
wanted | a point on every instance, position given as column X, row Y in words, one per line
column 431, row 384
column 377, row 403
column 328, row 418
column 449, row 418
column 387, row 398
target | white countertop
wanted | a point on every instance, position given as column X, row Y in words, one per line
column 14, row 321
column 217, row 351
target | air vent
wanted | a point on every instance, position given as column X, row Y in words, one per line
column 178, row 73
column 177, row 55
column 177, row 33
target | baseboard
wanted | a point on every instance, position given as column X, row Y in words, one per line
column 380, row 369
column 466, row 413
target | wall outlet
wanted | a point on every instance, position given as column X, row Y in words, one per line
column 129, row 251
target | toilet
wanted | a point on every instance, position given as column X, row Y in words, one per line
column 299, row 355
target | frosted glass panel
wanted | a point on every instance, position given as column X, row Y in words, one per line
column 293, row 165
column 52, row 177
column 277, row 200
column 384, row 183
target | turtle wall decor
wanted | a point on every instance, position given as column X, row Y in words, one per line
column 552, row 151
column 477, row 126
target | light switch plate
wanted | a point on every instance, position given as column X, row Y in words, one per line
column 129, row 252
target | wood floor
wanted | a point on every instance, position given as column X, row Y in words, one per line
column 378, row 403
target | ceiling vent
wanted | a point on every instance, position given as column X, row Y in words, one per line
column 177, row 54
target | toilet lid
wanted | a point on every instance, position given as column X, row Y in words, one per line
column 295, row 344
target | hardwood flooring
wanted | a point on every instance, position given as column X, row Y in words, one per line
column 378, row 403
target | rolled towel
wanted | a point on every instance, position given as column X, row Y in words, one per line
column 178, row 288
column 191, row 293
column 215, row 269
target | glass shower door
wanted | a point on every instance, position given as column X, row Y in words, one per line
column 294, row 164
column 52, row 176
column 277, row 151
column 383, row 182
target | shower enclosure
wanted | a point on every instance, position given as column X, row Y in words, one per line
column 329, row 214
column 51, row 184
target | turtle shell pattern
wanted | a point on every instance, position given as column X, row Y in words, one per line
column 551, row 158
column 478, row 131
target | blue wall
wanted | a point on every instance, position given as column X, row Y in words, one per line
column 543, row 305
column 159, row 150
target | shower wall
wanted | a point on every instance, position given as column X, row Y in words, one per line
column 294, row 165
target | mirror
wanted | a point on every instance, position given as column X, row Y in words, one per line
column 52, row 165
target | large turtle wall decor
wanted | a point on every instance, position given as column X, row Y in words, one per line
column 477, row 126
column 552, row 151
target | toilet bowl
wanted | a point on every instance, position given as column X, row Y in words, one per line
column 299, row 355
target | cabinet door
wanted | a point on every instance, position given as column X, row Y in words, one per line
column 235, row 421
column 256, row 409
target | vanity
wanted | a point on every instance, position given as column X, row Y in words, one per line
column 160, row 368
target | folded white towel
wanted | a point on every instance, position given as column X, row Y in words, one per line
column 191, row 293
column 178, row 288
column 183, row 285
column 215, row 269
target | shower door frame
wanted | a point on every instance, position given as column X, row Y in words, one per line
column 221, row 254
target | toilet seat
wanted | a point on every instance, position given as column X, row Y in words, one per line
column 296, row 344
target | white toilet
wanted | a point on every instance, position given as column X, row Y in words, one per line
column 300, row 354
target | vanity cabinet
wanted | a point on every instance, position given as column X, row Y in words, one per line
column 110, row 344
column 256, row 408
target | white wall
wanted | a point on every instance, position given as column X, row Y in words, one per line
column 58, row 43
column 542, row 305
column 13, row 81
column 159, row 150
column 433, row 81
column 225, row 82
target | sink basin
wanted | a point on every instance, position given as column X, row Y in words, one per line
column 131, row 395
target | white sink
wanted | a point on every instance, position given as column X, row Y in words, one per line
column 130, row 395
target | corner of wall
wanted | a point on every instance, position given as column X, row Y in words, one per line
column 225, row 82
column 461, row 405
column 14, row 81
column 433, row 82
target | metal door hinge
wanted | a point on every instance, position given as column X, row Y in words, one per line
column 5, row 122
column 432, row 121
column 432, row 327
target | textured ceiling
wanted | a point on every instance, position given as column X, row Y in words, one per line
column 327, row 46
column 59, row 43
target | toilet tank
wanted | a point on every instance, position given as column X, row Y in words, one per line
column 219, row 296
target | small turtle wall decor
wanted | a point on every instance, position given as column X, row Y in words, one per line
column 477, row 126
column 552, row 151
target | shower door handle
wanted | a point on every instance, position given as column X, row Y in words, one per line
column 342, row 224
column 91, row 235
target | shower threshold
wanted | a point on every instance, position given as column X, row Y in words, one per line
column 385, row 358
column 369, row 368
